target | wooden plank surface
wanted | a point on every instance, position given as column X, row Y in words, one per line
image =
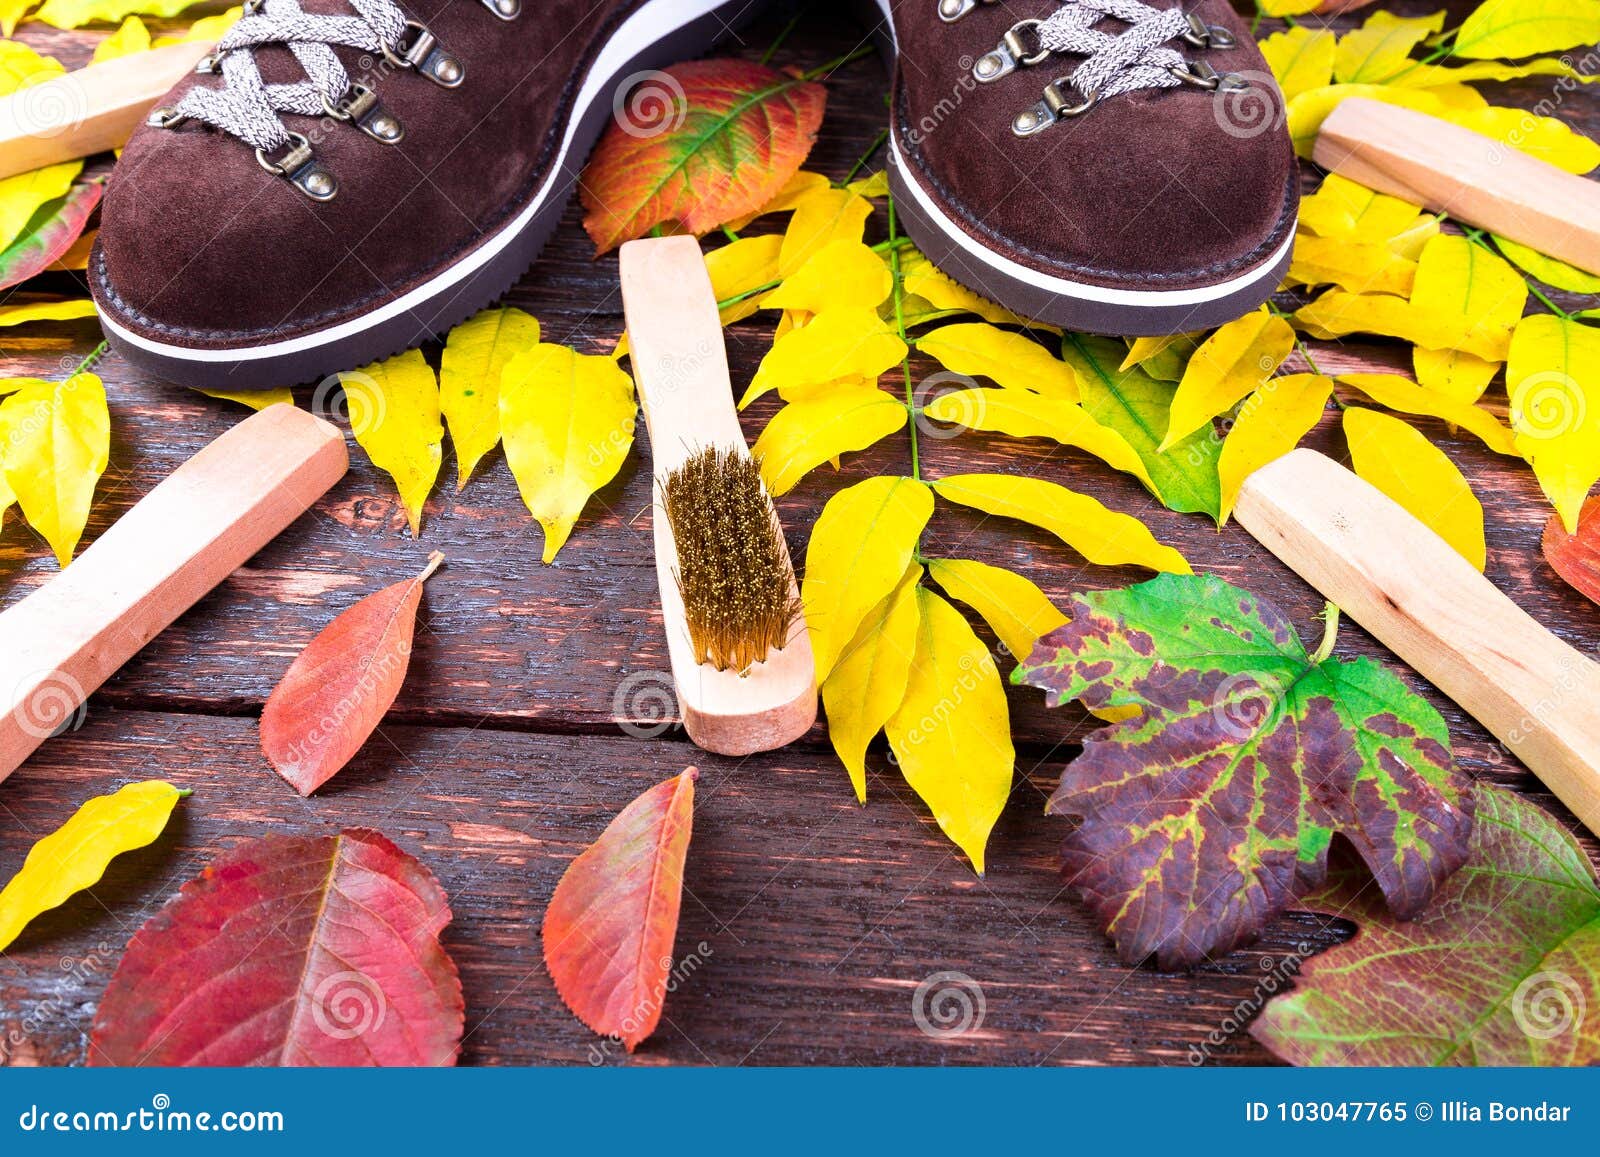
column 527, row 721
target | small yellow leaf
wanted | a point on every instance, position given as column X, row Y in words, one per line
column 1287, row 7
column 1396, row 393
column 566, row 420
column 952, row 734
column 76, row 13
column 1016, row 610
column 1341, row 208
column 1380, row 49
column 1359, row 266
column 1483, row 295
column 11, row 14
column 874, row 185
column 131, row 37
column 255, row 399
column 1022, row 414
column 1009, row 359
column 1105, row 537
column 1553, row 379
column 20, row 314
column 1229, row 364
column 1270, row 424
column 1515, row 28
column 394, row 414
column 475, row 357
column 1399, row 461
column 1548, row 269
column 1300, row 57
column 738, row 271
column 1338, row 312
column 820, row 216
column 1145, row 349
column 75, row 855
column 925, row 280
column 868, row 683
column 806, row 433
column 848, row 342
column 860, row 549
column 797, row 186
column 57, row 440
column 841, row 275
column 1421, row 75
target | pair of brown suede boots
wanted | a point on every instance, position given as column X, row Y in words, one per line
column 1117, row 166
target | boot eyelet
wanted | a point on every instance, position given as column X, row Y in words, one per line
column 165, row 117
column 1054, row 106
column 952, row 10
column 504, row 9
column 421, row 50
column 362, row 107
column 1013, row 52
column 299, row 166
column 1203, row 35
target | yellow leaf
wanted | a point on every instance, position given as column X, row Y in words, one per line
column 860, row 549
column 1359, row 266
column 566, row 420
column 1483, row 295
column 1414, row 240
column 1341, row 208
column 76, row 13
column 1022, row 414
column 848, row 342
column 475, row 357
column 841, row 275
column 739, row 269
column 57, row 439
column 131, row 37
column 874, row 185
column 25, row 194
column 394, row 414
column 1010, row 359
column 255, row 399
column 1553, row 379
column 925, row 280
column 1546, row 138
column 1421, row 75
column 11, row 14
column 805, row 434
column 1144, row 349
column 820, row 216
column 1015, row 609
column 868, row 683
column 1307, row 110
column 1396, row 393
column 1270, row 424
column 952, row 734
column 1399, row 461
column 1229, row 364
column 1380, row 49
column 1514, row 28
column 1300, row 57
column 1548, row 269
column 1104, row 537
column 1287, row 7
column 75, row 855
column 20, row 63
column 797, row 186
column 1337, row 313
column 207, row 28
column 19, row 314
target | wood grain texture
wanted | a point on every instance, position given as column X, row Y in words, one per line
column 520, row 730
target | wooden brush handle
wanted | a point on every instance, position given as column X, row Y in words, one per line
column 1474, row 178
column 1427, row 604
column 88, row 111
column 182, row 539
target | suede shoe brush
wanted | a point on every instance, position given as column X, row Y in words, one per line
column 740, row 652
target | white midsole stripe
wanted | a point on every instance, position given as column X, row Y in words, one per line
column 638, row 33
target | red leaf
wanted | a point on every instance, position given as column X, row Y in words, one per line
column 290, row 950
column 339, row 688
column 1576, row 557
column 37, row 249
column 608, row 931
column 697, row 146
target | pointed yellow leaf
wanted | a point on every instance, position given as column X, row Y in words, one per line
column 848, row 342
column 1230, row 364
column 842, row 274
column 1145, row 349
column 1398, row 460
column 207, row 28
column 76, row 13
column 868, row 683
column 797, row 186
column 25, row 194
column 1359, row 266
column 1287, row 7
column 1009, row 359
column 1396, row 393
column 1483, row 294
column 11, row 14
column 1338, row 312
column 1300, row 57
column 394, row 415
column 860, row 549
column 57, row 441
column 1548, row 269
column 1547, row 138
column 1410, row 243
column 1515, row 28
column 1421, row 75
column 1104, row 537
column 820, row 216
column 20, row 314
column 1553, row 379
column 475, row 357
column 566, row 421
column 1341, row 207
column 925, row 280
column 75, row 855
column 255, row 399
column 1380, row 49
column 131, row 37
column 952, row 734
column 1022, row 414
column 875, row 185
column 12, row 385
column 739, row 269
column 19, row 63
column 1016, row 610
column 1270, row 424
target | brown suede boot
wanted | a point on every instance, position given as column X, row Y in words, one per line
column 1117, row 166
column 347, row 178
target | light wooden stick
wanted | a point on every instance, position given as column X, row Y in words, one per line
column 1427, row 604
column 1474, row 178
column 681, row 367
column 177, row 543
column 88, row 111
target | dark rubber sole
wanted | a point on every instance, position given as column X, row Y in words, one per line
column 436, row 315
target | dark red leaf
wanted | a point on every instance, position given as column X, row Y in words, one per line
column 40, row 247
column 1576, row 557
column 290, row 950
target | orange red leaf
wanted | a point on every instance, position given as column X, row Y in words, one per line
column 1576, row 557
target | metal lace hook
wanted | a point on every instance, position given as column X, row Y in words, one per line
column 1012, row 53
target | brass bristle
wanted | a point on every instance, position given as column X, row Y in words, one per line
column 732, row 567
